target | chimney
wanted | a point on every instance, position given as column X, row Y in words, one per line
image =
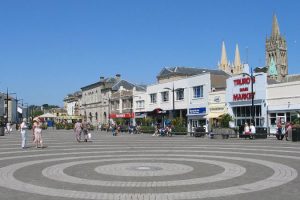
column 101, row 78
column 118, row 76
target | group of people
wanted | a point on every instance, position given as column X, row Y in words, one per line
column 82, row 127
column 284, row 130
column 163, row 131
column 36, row 133
column 249, row 131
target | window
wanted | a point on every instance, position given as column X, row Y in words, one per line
column 180, row 94
column 153, row 98
column 165, row 96
column 140, row 104
column 198, row 91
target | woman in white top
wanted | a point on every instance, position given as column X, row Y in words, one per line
column 37, row 131
column 23, row 128
column 246, row 129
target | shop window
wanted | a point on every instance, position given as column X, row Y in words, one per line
column 247, row 111
column 257, row 111
column 242, row 111
column 238, row 112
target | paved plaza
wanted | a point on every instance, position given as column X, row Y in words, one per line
column 142, row 167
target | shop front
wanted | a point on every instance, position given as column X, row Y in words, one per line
column 217, row 108
column 283, row 104
column 196, row 118
column 239, row 98
column 126, row 117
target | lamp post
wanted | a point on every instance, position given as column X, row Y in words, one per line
column 173, row 99
column 252, row 77
column 6, row 109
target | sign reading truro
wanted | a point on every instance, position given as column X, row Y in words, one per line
column 244, row 91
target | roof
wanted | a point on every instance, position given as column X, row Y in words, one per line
column 127, row 85
column 291, row 78
column 108, row 82
column 187, row 71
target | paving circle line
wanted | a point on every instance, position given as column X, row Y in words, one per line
column 167, row 150
column 282, row 175
column 56, row 172
column 150, row 151
column 148, row 169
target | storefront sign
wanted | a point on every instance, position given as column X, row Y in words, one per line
column 217, row 99
column 197, row 111
column 239, row 88
column 140, row 115
column 123, row 115
column 244, row 91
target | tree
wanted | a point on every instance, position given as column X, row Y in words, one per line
column 224, row 120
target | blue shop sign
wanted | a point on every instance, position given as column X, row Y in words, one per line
column 197, row 111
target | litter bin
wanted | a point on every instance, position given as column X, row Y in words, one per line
column 296, row 134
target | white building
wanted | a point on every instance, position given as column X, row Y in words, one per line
column 283, row 103
column 239, row 99
column 186, row 98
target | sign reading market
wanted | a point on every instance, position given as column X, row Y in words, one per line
column 239, row 88
column 244, row 84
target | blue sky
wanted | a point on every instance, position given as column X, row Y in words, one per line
column 51, row 48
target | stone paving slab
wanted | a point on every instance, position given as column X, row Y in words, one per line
column 142, row 167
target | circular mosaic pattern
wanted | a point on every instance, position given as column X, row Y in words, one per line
column 143, row 167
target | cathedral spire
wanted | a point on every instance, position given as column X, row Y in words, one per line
column 224, row 61
column 237, row 58
column 275, row 27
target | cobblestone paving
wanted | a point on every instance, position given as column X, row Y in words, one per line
column 142, row 167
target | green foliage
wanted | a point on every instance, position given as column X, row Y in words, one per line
column 147, row 121
column 178, row 122
column 147, row 129
column 36, row 113
column 224, row 120
column 119, row 121
column 179, row 129
column 69, row 126
column 296, row 121
column 44, row 126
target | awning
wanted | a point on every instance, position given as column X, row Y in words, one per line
column 212, row 115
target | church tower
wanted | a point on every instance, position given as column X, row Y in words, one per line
column 224, row 65
column 276, row 53
column 237, row 65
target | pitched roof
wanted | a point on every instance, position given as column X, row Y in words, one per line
column 127, row 85
column 187, row 71
column 108, row 83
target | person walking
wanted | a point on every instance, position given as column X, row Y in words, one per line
column 78, row 130
column 85, row 129
column 23, row 131
column 288, row 132
column 8, row 128
column 37, row 132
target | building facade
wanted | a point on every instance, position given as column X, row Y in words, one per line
column 185, row 98
column 217, row 106
column 283, row 103
column 95, row 98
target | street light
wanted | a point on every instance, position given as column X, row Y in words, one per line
column 6, row 109
column 252, row 77
column 173, row 96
